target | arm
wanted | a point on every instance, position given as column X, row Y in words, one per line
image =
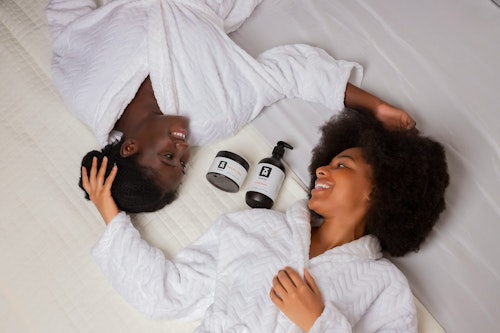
column 393, row 118
column 160, row 288
column 181, row 288
column 99, row 189
column 309, row 73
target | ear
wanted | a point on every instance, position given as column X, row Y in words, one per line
column 369, row 197
column 129, row 147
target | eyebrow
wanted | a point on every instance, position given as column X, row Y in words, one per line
column 347, row 156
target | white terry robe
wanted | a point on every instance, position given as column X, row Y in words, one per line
column 103, row 54
column 225, row 276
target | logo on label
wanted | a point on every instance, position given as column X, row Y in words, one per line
column 222, row 164
column 265, row 172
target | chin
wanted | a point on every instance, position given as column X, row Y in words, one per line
column 311, row 205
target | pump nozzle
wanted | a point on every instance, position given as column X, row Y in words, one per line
column 279, row 150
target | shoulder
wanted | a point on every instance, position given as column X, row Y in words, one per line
column 252, row 217
column 259, row 220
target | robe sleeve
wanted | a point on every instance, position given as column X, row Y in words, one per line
column 181, row 288
column 331, row 320
column 392, row 311
column 232, row 12
column 309, row 73
column 61, row 13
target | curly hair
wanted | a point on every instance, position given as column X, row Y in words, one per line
column 410, row 175
column 133, row 190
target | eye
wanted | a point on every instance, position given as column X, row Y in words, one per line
column 340, row 165
column 183, row 166
column 169, row 159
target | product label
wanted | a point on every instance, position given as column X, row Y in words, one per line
column 229, row 168
column 267, row 180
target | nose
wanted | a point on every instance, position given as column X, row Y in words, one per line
column 182, row 152
column 320, row 172
column 181, row 147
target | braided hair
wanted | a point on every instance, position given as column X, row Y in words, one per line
column 133, row 189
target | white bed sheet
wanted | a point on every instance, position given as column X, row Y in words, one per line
column 48, row 281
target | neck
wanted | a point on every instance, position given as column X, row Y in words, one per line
column 331, row 234
column 142, row 106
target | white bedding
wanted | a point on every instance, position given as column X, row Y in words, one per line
column 438, row 60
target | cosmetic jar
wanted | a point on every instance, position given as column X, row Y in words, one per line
column 228, row 171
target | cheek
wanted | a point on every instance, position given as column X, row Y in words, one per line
column 147, row 158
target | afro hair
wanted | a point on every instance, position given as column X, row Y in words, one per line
column 410, row 175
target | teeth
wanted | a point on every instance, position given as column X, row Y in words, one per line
column 179, row 135
column 319, row 185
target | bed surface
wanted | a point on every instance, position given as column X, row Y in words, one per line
column 438, row 60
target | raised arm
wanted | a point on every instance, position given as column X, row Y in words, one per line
column 392, row 117
column 181, row 288
column 160, row 288
column 99, row 189
column 309, row 73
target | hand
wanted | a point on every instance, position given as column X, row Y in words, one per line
column 394, row 118
column 99, row 189
column 300, row 300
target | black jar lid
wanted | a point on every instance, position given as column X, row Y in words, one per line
column 235, row 157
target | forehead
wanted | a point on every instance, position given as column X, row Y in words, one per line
column 358, row 161
column 355, row 153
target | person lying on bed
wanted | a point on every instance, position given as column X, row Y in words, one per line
column 151, row 77
column 374, row 190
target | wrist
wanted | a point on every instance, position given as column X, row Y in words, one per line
column 108, row 216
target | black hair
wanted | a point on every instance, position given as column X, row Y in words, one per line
column 133, row 189
column 409, row 177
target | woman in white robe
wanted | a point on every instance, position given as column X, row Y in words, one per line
column 130, row 68
column 265, row 271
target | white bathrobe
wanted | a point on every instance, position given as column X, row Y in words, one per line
column 225, row 276
column 103, row 54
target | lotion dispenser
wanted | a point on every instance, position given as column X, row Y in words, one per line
column 267, row 179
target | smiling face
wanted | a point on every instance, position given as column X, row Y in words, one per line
column 342, row 189
column 160, row 145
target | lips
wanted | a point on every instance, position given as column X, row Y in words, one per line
column 180, row 134
column 321, row 186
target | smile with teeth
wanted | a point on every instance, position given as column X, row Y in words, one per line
column 321, row 185
column 179, row 134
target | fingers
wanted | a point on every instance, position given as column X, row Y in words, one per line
column 97, row 180
column 310, row 282
column 93, row 168
column 109, row 181
column 275, row 298
column 85, row 180
column 286, row 281
column 407, row 122
column 102, row 169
